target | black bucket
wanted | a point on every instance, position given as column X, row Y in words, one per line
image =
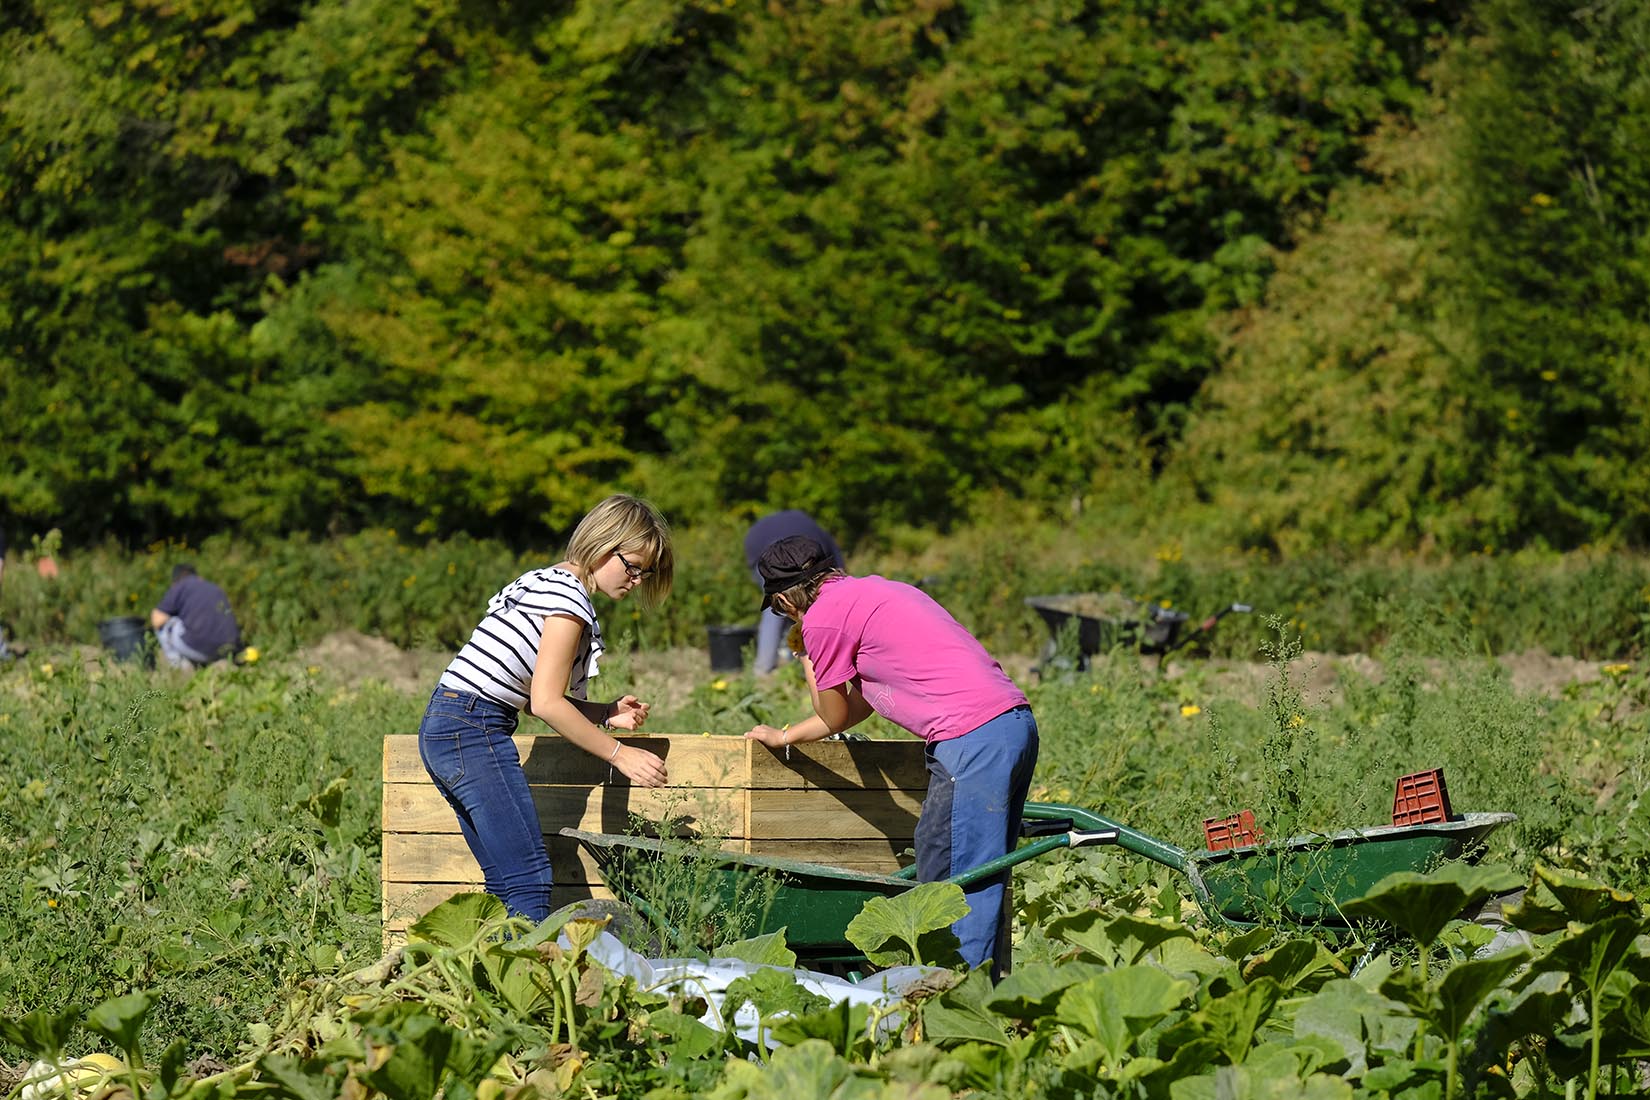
column 727, row 646
column 128, row 639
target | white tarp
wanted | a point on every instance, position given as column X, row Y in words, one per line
column 710, row 979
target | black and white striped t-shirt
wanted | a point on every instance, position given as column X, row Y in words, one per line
column 497, row 661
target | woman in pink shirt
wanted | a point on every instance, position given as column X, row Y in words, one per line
column 878, row 646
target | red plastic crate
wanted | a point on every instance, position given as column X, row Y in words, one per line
column 1421, row 799
column 1234, row 831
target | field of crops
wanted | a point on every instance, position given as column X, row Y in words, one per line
column 192, row 886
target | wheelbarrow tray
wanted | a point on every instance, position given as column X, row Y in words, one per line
column 1305, row 879
column 1104, row 622
column 1310, row 878
column 812, row 902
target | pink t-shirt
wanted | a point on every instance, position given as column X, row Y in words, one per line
column 916, row 665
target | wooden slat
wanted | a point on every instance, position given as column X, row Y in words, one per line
column 693, row 760
column 690, row 760
column 840, row 765
column 445, row 858
column 419, row 808
column 881, row 854
column 846, row 815
column 404, row 903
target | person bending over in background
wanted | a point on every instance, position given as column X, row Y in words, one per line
column 536, row 650
column 193, row 622
column 764, row 533
column 876, row 645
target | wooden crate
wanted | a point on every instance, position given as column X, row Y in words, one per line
column 850, row 804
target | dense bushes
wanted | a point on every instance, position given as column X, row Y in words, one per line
column 325, row 265
column 289, row 593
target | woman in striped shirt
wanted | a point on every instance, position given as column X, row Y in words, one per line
column 535, row 651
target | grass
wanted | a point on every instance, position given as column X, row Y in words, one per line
column 214, row 839
column 427, row 593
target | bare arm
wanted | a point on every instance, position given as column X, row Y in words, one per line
column 576, row 719
column 158, row 618
column 835, row 709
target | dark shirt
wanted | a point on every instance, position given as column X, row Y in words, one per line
column 208, row 624
column 770, row 529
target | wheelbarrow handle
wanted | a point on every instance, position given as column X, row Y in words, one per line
column 1072, row 838
column 1132, row 840
column 1208, row 624
column 1083, row 827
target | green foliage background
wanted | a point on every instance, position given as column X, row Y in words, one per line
column 1294, row 274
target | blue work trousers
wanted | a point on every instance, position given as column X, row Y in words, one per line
column 977, row 788
column 465, row 743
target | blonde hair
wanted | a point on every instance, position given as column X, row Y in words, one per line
column 623, row 522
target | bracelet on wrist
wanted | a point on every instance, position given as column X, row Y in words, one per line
column 617, row 745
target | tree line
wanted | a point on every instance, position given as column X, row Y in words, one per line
column 1308, row 273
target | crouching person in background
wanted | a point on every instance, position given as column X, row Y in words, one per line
column 193, row 622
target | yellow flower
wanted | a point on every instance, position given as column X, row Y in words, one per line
column 1541, row 199
column 250, row 654
column 47, row 670
column 313, row 669
column 719, row 685
column 34, row 790
column 1296, row 721
column 1549, row 376
column 1189, row 709
column 1615, row 670
column 51, row 903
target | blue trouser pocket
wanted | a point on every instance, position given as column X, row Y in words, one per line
column 467, row 745
column 977, row 788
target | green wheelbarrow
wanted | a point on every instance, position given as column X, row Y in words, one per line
column 813, row 903
column 1304, row 880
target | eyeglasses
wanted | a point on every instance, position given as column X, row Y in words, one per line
column 634, row 572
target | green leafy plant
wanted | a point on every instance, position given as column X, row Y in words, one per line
column 913, row 926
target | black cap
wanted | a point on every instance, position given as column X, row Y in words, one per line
column 789, row 562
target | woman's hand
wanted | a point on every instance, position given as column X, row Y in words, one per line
column 627, row 713
column 771, row 736
column 640, row 766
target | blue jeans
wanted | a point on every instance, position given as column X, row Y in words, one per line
column 464, row 741
column 977, row 788
column 175, row 647
column 771, row 649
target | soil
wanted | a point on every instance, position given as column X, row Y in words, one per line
column 356, row 657
column 1319, row 675
column 669, row 676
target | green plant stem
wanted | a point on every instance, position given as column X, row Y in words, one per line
column 1420, row 1031
column 1597, row 1040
